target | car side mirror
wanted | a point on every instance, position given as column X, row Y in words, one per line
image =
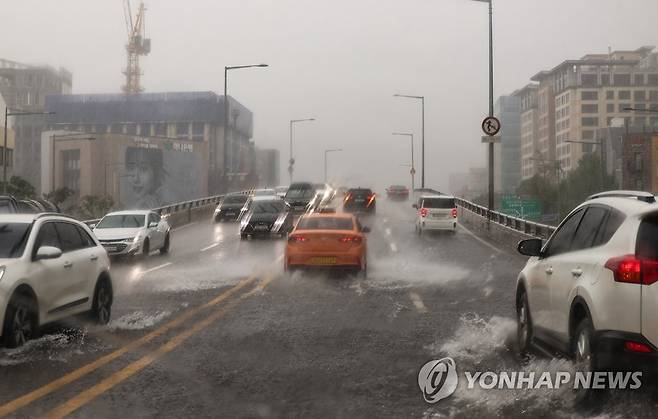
column 48, row 252
column 153, row 224
column 365, row 229
column 92, row 226
column 530, row 247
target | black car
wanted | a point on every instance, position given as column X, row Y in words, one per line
column 229, row 207
column 299, row 196
column 266, row 216
column 360, row 200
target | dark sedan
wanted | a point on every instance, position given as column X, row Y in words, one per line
column 360, row 201
column 266, row 216
column 229, row 207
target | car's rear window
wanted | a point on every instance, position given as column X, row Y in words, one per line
column 647, row 238
column 439, row 203
column 360, row 193
column 325, row 223
column 13, row 237
column 273, row 207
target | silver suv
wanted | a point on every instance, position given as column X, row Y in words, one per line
column 591, row 290
column 51, row 267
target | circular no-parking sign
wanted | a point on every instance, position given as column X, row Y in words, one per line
column 491, row 125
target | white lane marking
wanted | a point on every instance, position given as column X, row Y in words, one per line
column 209, row 247
column 418, row 302
column 185, row 226
column 394, row 247
column 484, row 242
column 388, row 231
column 155, row 268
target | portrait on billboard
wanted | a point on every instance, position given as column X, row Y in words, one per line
column 153, row 177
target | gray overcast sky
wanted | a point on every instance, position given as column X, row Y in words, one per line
column 337, row 60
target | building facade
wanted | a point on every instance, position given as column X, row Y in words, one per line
column 10, row 145
column 530, row 154
column 577, row 97
column 197, row 117
column 135, row 171
column 640, row 162
column 25, row 87
column 268, row 167
column 507, row 154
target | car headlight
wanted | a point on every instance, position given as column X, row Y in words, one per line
column 129, row 240
column 2, row 272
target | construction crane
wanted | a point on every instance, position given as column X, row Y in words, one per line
column 137, row 45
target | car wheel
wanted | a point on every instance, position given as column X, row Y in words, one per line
column 146, row 249
column 165, row 248
column 582, row 346
column 523, row 324
column 21, row 321
column 101, row 309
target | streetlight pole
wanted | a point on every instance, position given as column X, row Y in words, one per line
column 491, row 103
column 325, row 160
column 292, row 160
column 413, row 167
column 9, row 113
column 226, row 112
column 422, row 138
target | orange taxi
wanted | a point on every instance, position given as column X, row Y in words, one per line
column 327, row 240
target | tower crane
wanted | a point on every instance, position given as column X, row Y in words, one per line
column 137, row 45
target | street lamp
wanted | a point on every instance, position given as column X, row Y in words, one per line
column 292, row 160
column 422, row 138
column 491, row 103
column 9, row 113
column 325, row 160
column 226, row 111
column 413, row 168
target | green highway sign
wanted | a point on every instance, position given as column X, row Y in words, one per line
column 526, row 208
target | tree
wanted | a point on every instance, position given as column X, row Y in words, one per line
column 20, row 188
column 92, row 206
column 58, row 196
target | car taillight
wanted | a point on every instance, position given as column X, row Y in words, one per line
column 297, row 239
column 632, row 270
column 348, row 197
column 370, row 199
column 454, row 213
column 350, row 239
column 423, row 212
column 637, row 347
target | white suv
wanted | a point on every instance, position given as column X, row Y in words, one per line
column 591, row 290
column 51, row 267
column 133, row 233
column 436, row 212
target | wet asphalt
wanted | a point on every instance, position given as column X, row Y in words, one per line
column 216, row 329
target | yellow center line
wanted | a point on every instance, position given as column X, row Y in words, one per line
column 40, row 392
column 108, row 383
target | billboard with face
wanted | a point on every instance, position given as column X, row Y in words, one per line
column 152, row 177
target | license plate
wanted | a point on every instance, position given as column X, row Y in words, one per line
column 359, row 200
column 111, row 248
column 230, row 213
column 326, row 260
column 438, row 216
column 261, row 228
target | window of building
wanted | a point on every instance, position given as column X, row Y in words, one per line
column 589, row 108
column 638, row 161
column 587, row 148
column 610, row 94
column 622, row 79
column 639, row 106
column 640, row 121
column 639, row 95
column 624, row 94
column 198, row 129
column 589, row 80
column 183, row 130
column 71, row 169
column 589, row 95
column 589, row 122
column 653, row 122
column 610, row 107
column 652, row 79
column 605, row 79
column 161, row 130
column 131, row 129
column 653, row 95
column 639, row 79
column 145, row 130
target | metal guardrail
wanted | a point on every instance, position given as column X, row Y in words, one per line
column 188, row 206
column 519, row 224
